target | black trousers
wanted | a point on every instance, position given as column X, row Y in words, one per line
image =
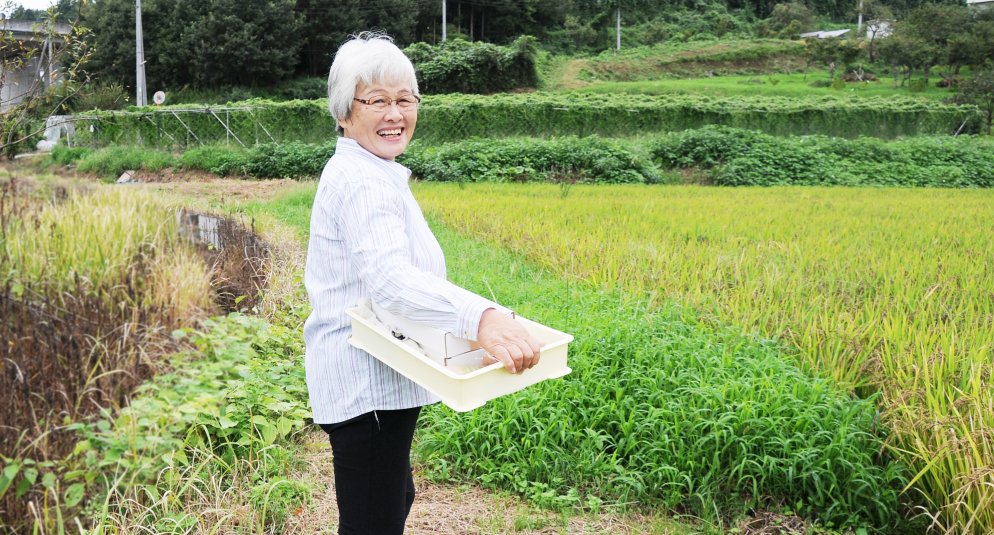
column 373, row 481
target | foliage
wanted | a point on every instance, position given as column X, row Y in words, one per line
column 221, row 160
column 787, row 20
column 735, row 157
column 288, row 160
column 650, row 396
column 100, row 97
column 936, row 34
column 652, row 393
column 787, row 83
column 979, row 91
column 725, row 156
column 563, row 160
column 241, row 395
column 112, row 161
column 326, row 24
column 458, row 66
column 678, row 59
column 458, row 117
column 64, row 155
column 87, row 284
column 833, row 53
column 211, row 44
column 886, row 290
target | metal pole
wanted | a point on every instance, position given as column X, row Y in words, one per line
column 618, row 31
column 140, row 94
column 444, row 30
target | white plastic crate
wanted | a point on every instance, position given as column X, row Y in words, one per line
column 449, row 366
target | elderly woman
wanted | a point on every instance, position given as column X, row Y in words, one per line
column 368, row 239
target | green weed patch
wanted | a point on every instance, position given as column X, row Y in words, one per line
column 240, row 396
column 735, row 157
column 562, row 160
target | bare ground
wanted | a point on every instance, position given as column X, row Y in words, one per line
column 457, row 509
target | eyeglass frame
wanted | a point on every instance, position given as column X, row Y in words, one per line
column 392, row 101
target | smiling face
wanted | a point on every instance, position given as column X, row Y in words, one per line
column 385, row 133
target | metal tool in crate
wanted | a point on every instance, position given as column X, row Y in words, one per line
column 440, row 346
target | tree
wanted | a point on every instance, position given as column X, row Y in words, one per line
column 788, row 20
column 877, row 16
column 324, row 25
column 979, row 91
column 974, row 45
column 832, row 52
column 203, row 44
column 936, row 25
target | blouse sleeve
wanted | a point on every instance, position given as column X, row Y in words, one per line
column 371, row 221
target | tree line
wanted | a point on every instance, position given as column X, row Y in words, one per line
column 216, row 43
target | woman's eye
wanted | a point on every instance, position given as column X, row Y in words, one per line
column 379, row 102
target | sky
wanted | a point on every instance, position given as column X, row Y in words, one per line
column 30, row 4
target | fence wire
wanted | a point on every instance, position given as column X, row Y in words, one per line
column 460, row 118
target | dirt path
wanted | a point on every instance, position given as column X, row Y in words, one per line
column 569, row 77
column 455, row 509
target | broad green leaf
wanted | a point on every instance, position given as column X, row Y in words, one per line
column 22, row 487
column 9, row 473
column 74, row 494
column 30, row 475
column 226, row 423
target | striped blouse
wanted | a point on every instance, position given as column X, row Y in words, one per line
column 369, row 239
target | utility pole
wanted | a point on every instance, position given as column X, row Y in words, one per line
column 443, row 21
column 140, row 97
column 618, row 31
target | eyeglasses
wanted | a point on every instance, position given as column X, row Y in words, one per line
column 407, row 103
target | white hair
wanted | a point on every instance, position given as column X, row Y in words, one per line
column 366, row 58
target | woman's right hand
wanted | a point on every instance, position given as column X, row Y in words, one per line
column 508, row 341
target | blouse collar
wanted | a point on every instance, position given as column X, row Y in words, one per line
column 351, row 148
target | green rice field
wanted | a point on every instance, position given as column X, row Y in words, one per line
column 888, row 292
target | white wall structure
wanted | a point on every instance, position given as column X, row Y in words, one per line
column 40, row 71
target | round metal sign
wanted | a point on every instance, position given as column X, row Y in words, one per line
column 159, row 97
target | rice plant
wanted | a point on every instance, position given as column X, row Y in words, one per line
column 87, row 292
column 883, row 290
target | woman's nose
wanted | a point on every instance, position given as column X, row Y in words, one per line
column 393, row 110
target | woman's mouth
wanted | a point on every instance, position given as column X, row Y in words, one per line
column 390, row 133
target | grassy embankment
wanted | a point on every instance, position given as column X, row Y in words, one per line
column 758, row 67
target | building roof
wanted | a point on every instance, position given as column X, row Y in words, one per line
column 825, row 34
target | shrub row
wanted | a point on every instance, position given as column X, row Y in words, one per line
column 735, row 157
column 267, row 160
column 564, row 160
column 456, row 117
column 459, row 66
column 727, row 156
